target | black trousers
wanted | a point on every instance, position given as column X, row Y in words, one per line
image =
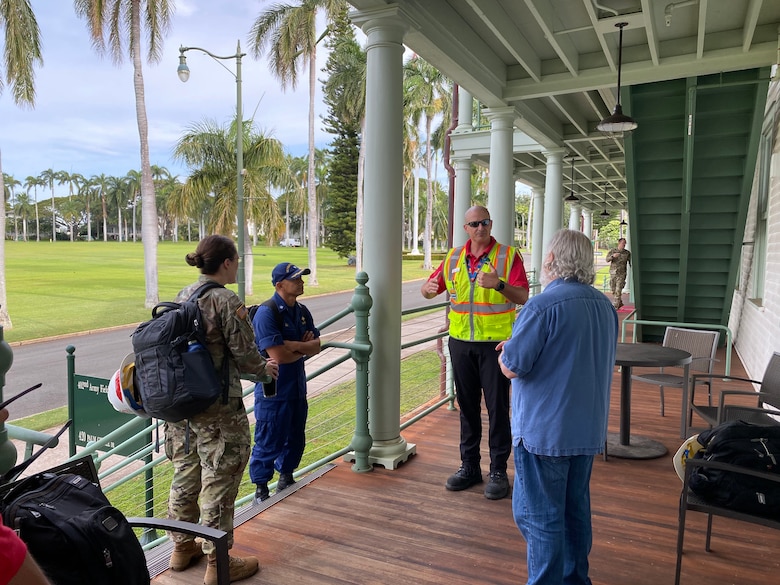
column 475, row 369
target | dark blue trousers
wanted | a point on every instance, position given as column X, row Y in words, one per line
column 280, row 437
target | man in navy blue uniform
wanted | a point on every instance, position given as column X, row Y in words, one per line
column 285, row 331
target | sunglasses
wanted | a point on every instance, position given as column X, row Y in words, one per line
column 481, row 222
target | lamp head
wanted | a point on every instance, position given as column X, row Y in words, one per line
column 183, row 71
column 617, row 122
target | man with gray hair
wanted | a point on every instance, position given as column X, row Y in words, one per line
column 560, row 359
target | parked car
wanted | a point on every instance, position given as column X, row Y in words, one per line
column 290, row 242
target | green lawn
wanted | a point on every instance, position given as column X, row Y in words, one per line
column 66, row 287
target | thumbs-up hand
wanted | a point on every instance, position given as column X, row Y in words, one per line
column 488, row 278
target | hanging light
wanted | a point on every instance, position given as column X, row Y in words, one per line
column 618, row 122
column 572, row 197
column 605, row 213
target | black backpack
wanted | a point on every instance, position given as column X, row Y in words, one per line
column 69, row 526
column 740, row 443
column 174, row 372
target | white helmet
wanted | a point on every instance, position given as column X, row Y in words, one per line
column 687, row 450
column 121, row 389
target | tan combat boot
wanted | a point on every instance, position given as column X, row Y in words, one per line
column 185, row 554
column 240, row 568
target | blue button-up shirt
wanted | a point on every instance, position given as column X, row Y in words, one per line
column 296, row 321
column 563, row 351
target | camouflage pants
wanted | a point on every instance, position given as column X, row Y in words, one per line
column 617, row 281
column 219, row 443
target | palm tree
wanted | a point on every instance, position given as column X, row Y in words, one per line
column 209, row 149
column 23, row 209
column 296, row 194
column 101, row 184
column 425, row 96
column 71, row 179
column 21, row 50
column 117, row 193
column 48, row 177
column 33, row 183
column 121, row 20
column 289, row 30
column 133, row 182
column 9, row 195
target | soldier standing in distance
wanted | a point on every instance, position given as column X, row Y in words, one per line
column 619, row 259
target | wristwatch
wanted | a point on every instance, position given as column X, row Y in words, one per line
column 501, row 285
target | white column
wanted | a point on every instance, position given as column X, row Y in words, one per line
column 384, row 31
column 501, row 191
column 465, row 112
column 553, row 202
column 587, row 227
column 574, row 216
column 462, row 199
column 537, row 232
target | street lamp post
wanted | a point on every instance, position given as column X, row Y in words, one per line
column 184, row 74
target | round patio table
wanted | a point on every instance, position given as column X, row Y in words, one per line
column 624, row 444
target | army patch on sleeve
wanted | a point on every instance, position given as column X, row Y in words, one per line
column 242, row 312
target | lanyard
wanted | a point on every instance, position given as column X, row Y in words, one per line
column 480, row 264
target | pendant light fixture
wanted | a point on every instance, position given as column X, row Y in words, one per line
column 618, row 122
column 572, row 197
column 605, row 213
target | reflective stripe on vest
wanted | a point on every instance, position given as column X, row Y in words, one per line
column 476, row 313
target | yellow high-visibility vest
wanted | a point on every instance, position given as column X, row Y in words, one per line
column 476, row 313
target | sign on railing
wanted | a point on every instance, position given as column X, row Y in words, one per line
column 94, row 417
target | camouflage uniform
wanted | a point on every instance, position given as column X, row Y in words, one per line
column 219, row 438
column 618, row 271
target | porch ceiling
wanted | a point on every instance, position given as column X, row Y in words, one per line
column 555, row 61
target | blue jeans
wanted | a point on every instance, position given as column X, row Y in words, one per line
column 551, row 506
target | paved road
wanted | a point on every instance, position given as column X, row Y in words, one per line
column 100, row 353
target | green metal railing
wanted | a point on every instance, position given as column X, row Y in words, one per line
column 152, row 467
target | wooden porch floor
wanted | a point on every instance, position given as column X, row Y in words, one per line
column 402, row 527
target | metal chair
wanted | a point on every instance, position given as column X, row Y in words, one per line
column 692, row 501
column 700, row 343
column 767, row 400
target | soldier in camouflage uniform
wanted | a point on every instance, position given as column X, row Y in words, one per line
column 209, row 464
column 619, row 259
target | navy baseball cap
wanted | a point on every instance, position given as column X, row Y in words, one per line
column 287, row 271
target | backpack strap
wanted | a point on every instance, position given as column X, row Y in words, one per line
column 225, row 367
column 275, row 310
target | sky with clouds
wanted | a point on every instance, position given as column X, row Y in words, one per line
column 84, row 116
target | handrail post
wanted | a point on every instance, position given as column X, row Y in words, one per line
column 70, row 361
column 361, row 440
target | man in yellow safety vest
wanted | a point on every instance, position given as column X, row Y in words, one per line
column 486, row 281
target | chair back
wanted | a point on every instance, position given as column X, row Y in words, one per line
column 700, row 343
column 770, row 383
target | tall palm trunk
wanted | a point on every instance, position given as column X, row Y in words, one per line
column 148, row 204
column 313, row 221
column 105, row 213
column 37, row 219
column 429, row 196
column 53, row 218
column 5, row 317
